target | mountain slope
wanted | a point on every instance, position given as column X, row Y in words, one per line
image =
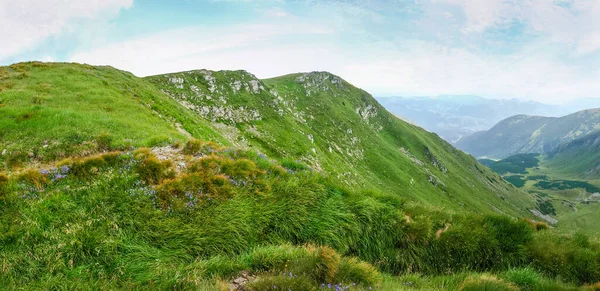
column 530, row 134
column 51, row 111
column 335, row 128
column 578, row 158
column 54, row 111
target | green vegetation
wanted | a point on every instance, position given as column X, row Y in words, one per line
column 567, row 184
column 108, row 228
column 517, row 180
column 332, row 127
column 517, row 164
column 199, row 180
column 54, row 111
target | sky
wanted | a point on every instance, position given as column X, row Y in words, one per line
column 540, row 50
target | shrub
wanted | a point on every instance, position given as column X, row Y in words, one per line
column 593, row 287
column 573, row 258
column 327, row 263
column 34, row 177
column 537, row 225
column 355, row 271
column 152, row 170
column 487, row 283
column 84, row 167
column 3, row 178
column 512, row 235
column 199, row 147
column 525, row 278
column 269, row 258
column 240, row 172
column 187, row 191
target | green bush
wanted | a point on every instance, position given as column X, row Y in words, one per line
column 152, row 170
column 3, row 178
column 199, row 147
column 486, row 283
column 525, row 278
column 573, row 258
column 355, row 271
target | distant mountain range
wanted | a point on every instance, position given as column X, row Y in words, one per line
column 453, row 117
column 531, row 134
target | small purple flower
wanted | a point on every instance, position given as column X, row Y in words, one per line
column 44, row 172
column 64, row 169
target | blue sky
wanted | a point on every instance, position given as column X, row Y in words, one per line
column 540, row 50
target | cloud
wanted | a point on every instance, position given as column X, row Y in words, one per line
column 528, row 49
column 25, row 23
column 573, row 22
column 428, row 69
column 246, row 46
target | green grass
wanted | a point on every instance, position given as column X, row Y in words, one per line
column 107, row 228
column 316, row 179
column 53, row 111
column 517, row 164
column 517, row 180
column 341, row 131
column 566, row 185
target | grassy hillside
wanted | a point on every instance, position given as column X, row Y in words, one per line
column 341, row 131
column 252, row 204
column 530, row 134
column 579, row 158
column 52, row 111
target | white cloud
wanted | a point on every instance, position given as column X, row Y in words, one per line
column 430, row 70
column 339, row 37
column 250, row 46
column 424, row 68
column 25, row 23
column 577, row 24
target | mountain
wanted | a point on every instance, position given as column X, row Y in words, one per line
column 456, row 116
column 209, row 180
column 321, row 120
column 530, row 134
column 578, row 158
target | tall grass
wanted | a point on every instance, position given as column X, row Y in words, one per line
column 99, row 220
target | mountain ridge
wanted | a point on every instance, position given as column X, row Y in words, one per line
column 304, row 104
column 456, row 116
column 530, row 134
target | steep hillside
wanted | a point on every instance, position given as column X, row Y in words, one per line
column 578, row 158
column 530, row 134
column 339, row 130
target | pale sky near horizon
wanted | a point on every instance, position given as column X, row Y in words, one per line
column 541, row 50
